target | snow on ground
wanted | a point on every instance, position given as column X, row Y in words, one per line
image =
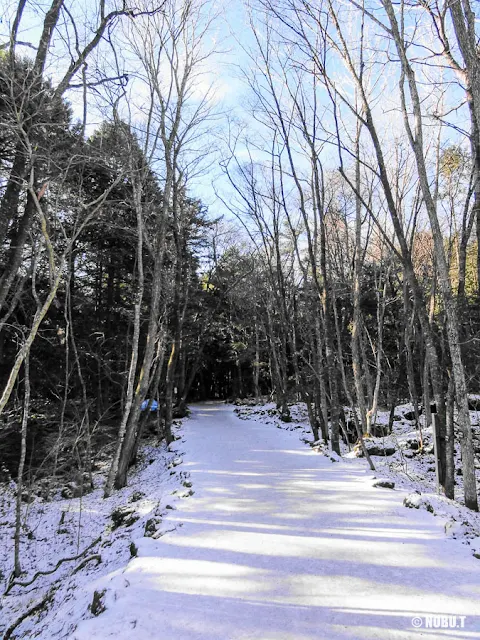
column 410, row 469
column 60, row 528
column 276, row 542
column 280, row 543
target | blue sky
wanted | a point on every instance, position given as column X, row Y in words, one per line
column 230, row 33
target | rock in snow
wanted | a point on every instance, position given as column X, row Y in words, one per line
column 384, row 483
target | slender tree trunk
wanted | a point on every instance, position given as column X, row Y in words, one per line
column 169, row 384
column 450, row 443
column 321, row 380
column 357, row 293
column 129, row 397
column 464, row 19
column 23, row 452
column 346, row 389
column 15, row 254
column 11, row 197
column 256, row 370
column 415, row 136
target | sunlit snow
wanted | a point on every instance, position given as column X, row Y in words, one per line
column 279, row 543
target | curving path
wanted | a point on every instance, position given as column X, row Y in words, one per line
column 279, row 543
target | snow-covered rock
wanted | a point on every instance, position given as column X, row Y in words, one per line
column 383, row 483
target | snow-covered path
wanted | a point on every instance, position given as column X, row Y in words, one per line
column 279, row 543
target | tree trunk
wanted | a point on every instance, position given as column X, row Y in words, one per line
column 452, row 324
column 23, row 452
column 450, row 443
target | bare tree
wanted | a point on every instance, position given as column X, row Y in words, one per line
column 415, row 136
column 171, row 51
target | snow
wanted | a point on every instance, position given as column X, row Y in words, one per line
column 61, row 528
column 406, row 468
column 279, row 543
column 272, row 542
